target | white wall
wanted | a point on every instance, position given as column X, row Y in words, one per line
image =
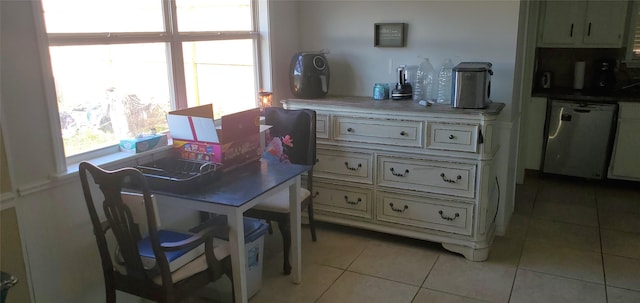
column 472, row 30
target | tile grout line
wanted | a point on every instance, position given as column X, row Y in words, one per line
column 526, row 234
column 343, row 271
column 604, row 271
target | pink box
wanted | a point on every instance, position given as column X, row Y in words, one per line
column 233, row 140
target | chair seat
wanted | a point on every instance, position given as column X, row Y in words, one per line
column 197, row 265
column 280, row 201
column 194, row 266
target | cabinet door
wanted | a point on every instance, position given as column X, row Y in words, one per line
column 624, row 163
column 561, row 23
column 604, row 23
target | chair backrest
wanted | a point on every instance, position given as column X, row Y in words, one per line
column 296, row 129
column 119, row 218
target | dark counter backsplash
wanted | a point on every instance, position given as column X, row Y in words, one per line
column 561, row 61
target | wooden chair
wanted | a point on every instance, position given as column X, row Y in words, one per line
column 292, row 138
column 125, row 270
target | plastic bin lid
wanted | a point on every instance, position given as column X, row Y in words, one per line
column 253, row 229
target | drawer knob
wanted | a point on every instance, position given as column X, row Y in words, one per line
column 346, row 164
column 398, row 210
column 346, row 199
column 442, row 215
column 393, row 172
column 451, row 137
column 445, row 179
column 403, row 133
column 350, row 130
column 315, row 195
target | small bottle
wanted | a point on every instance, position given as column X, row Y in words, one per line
column 445, row 82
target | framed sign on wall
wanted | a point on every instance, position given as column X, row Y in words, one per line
column 389, row 34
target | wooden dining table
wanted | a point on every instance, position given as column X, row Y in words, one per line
column 237, row 191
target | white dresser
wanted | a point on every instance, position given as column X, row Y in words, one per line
column 405, row 169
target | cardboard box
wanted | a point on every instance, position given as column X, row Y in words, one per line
column 231, row 141
column 142, row 144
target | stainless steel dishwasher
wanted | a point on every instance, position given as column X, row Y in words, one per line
column 578, row 138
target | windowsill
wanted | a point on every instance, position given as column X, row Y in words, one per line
column 116, row 160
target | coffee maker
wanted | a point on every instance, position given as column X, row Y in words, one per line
column 604, row 76
column 403, row 89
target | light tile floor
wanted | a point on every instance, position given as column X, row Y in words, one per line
column 568, row 241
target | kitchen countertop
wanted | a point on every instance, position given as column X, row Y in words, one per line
column 367, row 103
column 631, row 95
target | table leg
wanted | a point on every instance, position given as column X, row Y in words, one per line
column 296, row 243
column 238, row 256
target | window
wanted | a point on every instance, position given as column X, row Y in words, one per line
column 633, row 48
column 120, row 65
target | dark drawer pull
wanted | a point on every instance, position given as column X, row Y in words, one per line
column 350, row 130
column 406, row 172
column 403, row 133
column 398, row 210
column 315, row 195
column 346, row 199
column 447, row 217
column 346, row 164
column 451, row 137
column 445, row 179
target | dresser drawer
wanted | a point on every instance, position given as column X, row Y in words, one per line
column 339, row 199
column 450, row 136
column 425, row 212
column 379, row 131
column 350, row 166
column 450, row 178
column 322, row 126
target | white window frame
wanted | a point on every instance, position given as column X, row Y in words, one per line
column 260, row 34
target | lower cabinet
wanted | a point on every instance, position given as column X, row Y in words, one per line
column 399, row 170
column 624, row 159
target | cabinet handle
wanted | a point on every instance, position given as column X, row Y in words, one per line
column 315, row 195
column 451, row 137
column 571, row 32
column 393, row 172
column 346, row 164
column 447, row 217
column 350, row 130
column 589, row 30
column 346, row 199
column 317, row 160
column 398, row 210
column 445, row 179
column 403, row 133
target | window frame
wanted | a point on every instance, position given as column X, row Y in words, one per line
column 633, row 60
column 259, row 34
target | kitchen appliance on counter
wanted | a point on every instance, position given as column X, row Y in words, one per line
column 471, row 85
column 605, row 76
column 545, row 80
column 403, row 89
column 578, row 138
column 309, row 75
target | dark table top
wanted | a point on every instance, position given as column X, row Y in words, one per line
column 243, row 183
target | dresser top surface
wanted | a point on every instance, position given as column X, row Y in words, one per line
column 409, row 106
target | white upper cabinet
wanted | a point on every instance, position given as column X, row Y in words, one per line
column 582, row 23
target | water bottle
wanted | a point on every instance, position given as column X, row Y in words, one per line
column 430, row 83
column 424, row 79
column 444, row 82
